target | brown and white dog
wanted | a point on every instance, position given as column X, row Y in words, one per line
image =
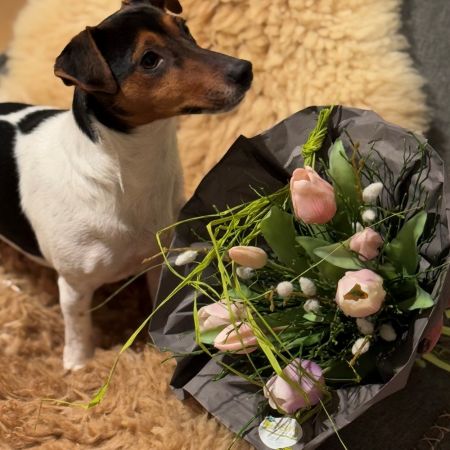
column 84, row 191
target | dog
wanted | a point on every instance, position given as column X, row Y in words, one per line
column 85, row 190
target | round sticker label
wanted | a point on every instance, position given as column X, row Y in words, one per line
column 280, row 432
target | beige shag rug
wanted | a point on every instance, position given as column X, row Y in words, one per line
column 305, row 52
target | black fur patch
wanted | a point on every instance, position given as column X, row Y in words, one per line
column 81, row 115
column 9, row 108
column 118, row 54
column 85, row 106
column 127, row 24
column 34, row 119
column 14, row 225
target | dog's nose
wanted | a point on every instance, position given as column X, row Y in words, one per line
column 241, row 73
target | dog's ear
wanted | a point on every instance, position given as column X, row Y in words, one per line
column 172, row 5
column 82, row 64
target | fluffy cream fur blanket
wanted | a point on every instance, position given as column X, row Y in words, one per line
column 305, row 52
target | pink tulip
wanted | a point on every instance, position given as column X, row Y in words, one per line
column 366, row 243
column 237, row 338
column 360, row 293
column 306, row 389
column 219, row 314
column 248, row 256
column 312, row 197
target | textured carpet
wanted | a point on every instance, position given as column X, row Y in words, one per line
column 304, row 52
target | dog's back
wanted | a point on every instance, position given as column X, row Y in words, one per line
column 15, row 228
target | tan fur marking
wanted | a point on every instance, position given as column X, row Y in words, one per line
column 145, row 40
column 171, row 24
column 177, row 89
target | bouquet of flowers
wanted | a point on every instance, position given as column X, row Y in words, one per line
column 297, row 308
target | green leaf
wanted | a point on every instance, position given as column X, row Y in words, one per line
column 402, row 251
column 207, row 337
column 282, row 318
column 402, row 288
column 340, row 371
column 347, row 188
column 305, row 341
column 311, row 317
column 422, row 300
column 310, row 244
column 292, row 317
column 278, row 230
column 242, row 293
column 387, row 271
column 339, row 256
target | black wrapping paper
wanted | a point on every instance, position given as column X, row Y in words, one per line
column 266, row 162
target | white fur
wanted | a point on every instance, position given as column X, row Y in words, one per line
column 95, row 207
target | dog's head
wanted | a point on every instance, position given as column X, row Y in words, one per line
column 144, row 65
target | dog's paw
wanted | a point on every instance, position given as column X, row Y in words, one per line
column 76, row 358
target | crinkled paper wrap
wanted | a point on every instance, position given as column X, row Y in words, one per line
column 266, row 161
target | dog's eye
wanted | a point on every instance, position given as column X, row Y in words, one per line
column 151, row 61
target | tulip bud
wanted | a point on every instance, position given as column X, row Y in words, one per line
column 247, row 256
column 237, row 338
column 312, row 197
column 366, row 243
column 290, row 398
column 219, row 314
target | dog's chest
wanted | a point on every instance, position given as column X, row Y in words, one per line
column 96, row 211
column 109, row 245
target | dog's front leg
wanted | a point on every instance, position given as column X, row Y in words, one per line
column 75, row 306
